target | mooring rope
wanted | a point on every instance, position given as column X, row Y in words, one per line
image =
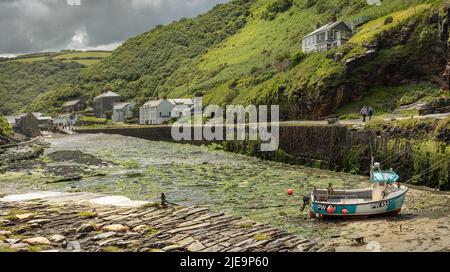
column 426, row 171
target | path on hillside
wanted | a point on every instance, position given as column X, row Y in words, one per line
column 351, row 122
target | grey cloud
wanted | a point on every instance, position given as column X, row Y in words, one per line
column 48, row 25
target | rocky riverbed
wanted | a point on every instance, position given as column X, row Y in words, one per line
column 43, row 226
column 223, row 182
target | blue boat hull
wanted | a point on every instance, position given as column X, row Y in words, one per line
column 389, row 206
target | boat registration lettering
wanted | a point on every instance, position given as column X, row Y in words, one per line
column 322, row 207
column 381, row 204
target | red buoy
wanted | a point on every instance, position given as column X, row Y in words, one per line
column 331, row 209
column 290, row 192
column 344, row 211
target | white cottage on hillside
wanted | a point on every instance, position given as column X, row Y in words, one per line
column 155, row 112
column 123, row 111
column 182, row 107
column 327, row 37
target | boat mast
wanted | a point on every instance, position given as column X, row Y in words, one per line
column 372, row 159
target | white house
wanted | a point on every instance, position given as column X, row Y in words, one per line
column 182, row 107
column 329, row 36
column 122, row 111
column 65, row 120
column 155, row 112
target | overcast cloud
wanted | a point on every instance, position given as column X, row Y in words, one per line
column 28, row 26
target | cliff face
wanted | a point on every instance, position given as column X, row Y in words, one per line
column 412, row 52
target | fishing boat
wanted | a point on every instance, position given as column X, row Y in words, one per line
column 384, row 198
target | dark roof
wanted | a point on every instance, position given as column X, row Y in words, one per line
column 107, row 94
column 71, row 103
column 327, row 26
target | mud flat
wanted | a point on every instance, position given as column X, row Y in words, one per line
column 423, row 225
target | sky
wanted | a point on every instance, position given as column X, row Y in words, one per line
column 29, row 26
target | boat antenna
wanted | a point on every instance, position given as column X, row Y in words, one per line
column 372, row 158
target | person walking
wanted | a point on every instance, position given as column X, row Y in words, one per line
column 364, row 112
column 370, row 112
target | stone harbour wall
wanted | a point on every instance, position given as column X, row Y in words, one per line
column 336, row 148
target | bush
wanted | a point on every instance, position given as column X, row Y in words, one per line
column 443, row 130
column 276, row 7
column 279, row 6
column 297, row 58
column 5, row 127
column 91, row 121
column 388, row 20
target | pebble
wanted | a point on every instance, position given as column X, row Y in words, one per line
column 5, row 232
column 5, row 223
column 24, row 216
column 116, row 228
column 86, row 228
column 140, row 228
column 171, row 248
column 12, row 241
column 196, row 246
column 37, row 241
column 57, row 238
column 327, row 249
column 19, row 245
column 104, row 236
column 73, row 246
column 40, row 221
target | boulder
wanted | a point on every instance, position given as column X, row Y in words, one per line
column 24, row 216
column 116, row 228
column 57, row 238
column 140, row 228
column 37, row 241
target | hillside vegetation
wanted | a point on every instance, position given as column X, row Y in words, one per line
column 21, row 84
column 86, row 58
column 5, row 127
column 247, row 52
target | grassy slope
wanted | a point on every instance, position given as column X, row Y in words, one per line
column 135, row 71
column 235, row 56
column 86, row 58
column 155, row 62
column 22, row 83
column 262, row 41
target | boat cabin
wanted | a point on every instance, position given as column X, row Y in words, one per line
column 380, row 183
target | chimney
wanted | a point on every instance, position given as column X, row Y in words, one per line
column 334, row 19
column 105, row 90
column 318, row 25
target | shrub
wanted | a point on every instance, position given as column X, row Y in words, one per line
column 388, row 20
column 5, row 127
column 442, row 131
column 297, row 58
column 276, row 7
column 91, row 121
column 279, row 6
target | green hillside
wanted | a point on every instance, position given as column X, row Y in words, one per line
column 86, row 58
column 22, row 83
column 250, row 52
